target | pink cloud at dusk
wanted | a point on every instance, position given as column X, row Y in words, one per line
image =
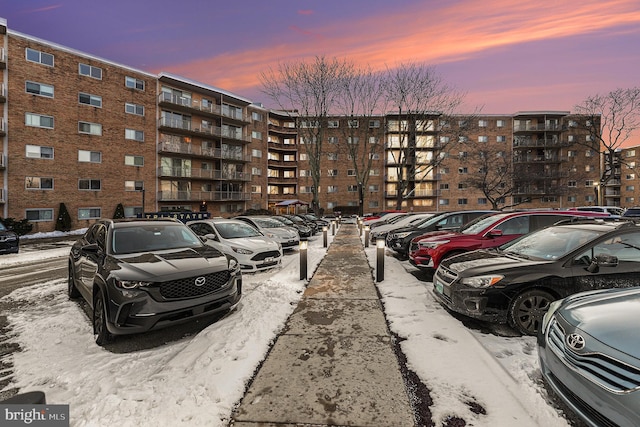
column 437, row 35
column 306, row 12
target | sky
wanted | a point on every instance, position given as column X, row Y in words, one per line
column 165, row 385
column 506, row 56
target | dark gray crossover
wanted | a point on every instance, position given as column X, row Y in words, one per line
column 139, row 275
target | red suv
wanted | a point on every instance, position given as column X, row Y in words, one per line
column 489, row 231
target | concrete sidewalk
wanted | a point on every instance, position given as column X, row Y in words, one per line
column 334, row 363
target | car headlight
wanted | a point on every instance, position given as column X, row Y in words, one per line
column 242, row 251
column 433, row 244
column 233, row 264
column 400, row 235
column 482, row 281
column 546, row 320
column 131, row 284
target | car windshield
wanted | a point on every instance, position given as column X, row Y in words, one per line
column 550, row 243
column 284, row 220
column 152, row 237
column 268, row 223
column 426, row 222
column 479, row 224
column 233, row 230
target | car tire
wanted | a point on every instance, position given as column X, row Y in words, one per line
column 72, row 290
column 100, row 332
column 527, row 310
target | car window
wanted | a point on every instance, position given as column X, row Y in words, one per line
column 101, row 236
column 517, row 225
column 625, row 247
column 229, row 230
column 550, row 243
column 90, row 235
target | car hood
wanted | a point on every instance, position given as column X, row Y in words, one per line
column 438, row 235
column 611, row 317
column 484, row 261
column 256, row 244
column 168, row 264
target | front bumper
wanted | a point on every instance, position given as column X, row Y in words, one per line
column 471, row 302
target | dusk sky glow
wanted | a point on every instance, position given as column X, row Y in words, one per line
column 507, row 56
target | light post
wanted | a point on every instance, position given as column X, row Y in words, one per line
column 333, row 228
column 367, row 229
column 379, row 260
column 324, row 236
column 303, row 259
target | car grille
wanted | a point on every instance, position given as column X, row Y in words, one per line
column 186, row 288
column 446, row 275
column 413, row 247
column 264, row 255
column 607, row 372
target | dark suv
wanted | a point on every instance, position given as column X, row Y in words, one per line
column 399, row 239
column 516, row 282
column 9, row 241
column 139, row 275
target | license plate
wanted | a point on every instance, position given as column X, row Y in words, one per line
column 439, row 287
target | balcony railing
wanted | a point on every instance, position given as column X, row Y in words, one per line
column 3, row 58
column 195, row 150
column 542, row 142
column 3, row 195
column 187, row 125
column 208, row 107
column 537, row 127
column 3, row 126
column 538, row 159
column 166, row 196
column 198, row 173
column 3, row 92
column 3, row 161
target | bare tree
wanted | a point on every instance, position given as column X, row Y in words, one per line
column 363, row 133
column 310, row 91
column 422, row 100
column 609, row 120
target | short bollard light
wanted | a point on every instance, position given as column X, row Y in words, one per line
column 324, row 236
column 333, row 228
column 361, row 226
column 367, row 229
column 379, row 260
column 303, row 259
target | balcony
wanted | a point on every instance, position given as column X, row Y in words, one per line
column 199, row 196
column 416, row 194
column 542, row 142
column 3, row 127
column 538, row 127
column 186, row 127
column 182, row 103
column 195, row 150
column 197, row 173
column 281, row 146
column 3, row 59
column 538, row 159
column 3, row 195
column 3, row 93
column 275, row 180
column 3, row 161
column 282, row 129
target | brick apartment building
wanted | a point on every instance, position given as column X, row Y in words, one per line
column 92, row 134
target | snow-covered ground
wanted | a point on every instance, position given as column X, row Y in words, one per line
column 197, row 380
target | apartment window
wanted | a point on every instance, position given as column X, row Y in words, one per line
column 462, row 186
column 89, row 184
column 133, row 185
column 351, row 172
column 374, row 140
column 353, row 140
column 332, row 172
column 588, row 183
column 483, row 123
column 332, row 189
column 38, row 183
column 572, row 184
column 89, row 213
column 352, row 188
column 588, row 138
column 90, row 70
column 444, row 186
column 630, row 153
column 304, row 156
column 256, row 117
column 256, row 153
column 588, row 153
column 571, row 153
column 256, row 189
column 630, row 188
column 631, row 165
column 256, row 171
column 630, row 200
column 332, row 156
column 374, row 172
column 374, row 124
column 135, row 135
column 39, row 89
column 305, row 189
column 573, row 123
column 572, row 199
column 374, row 188
column 39, row 152
column 33, row 55
column 462, row 201
column 39, row 215
column 571, row 138
column 333, row 140
column 304, row 172
column 500, row 123
column 132, row 211
column 38, row 120
column 483, row 138
column 462, row 170
column 589, row 168
column 90, row 128
column 354, row 124
column 87, row 99
column 134, row 160
column 443, row 171
column 133, row 83
column 463, row 139
column 256, row 135
column 631, row 176
column 501, row 138
column 589, row 199
column 462, row 155
column 309, row 124
column 333, row 124
column 308, row 140
column 443, row 202
column 136, row 109
column 374, row 156
column 482, row 201
column 462, row 123
column 373, row 204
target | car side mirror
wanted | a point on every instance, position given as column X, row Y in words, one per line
column 602, row 260
column 495, row 233
column 91, row 247
column 211, row 237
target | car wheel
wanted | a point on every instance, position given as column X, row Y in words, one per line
column 100, row 331
column 528, row 309
column 71, row 286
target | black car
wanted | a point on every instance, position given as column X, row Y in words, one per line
column 304, row 221
column 139, row 275
column 303, row 231
column 9, row 241
column 516, row 282
column 400, row 238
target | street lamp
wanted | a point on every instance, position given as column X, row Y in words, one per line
column 379, row 260
column 303, row 259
